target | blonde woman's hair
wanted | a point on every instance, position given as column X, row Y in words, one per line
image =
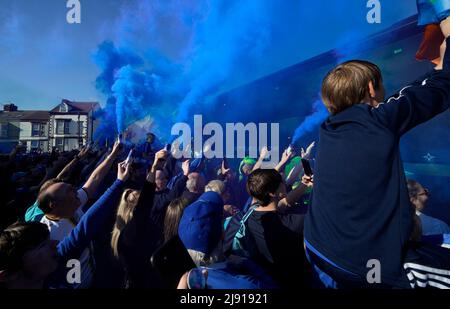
column 124, row 215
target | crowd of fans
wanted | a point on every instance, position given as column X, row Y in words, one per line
column 112, row 216
column 243, row 228
column 248, row 227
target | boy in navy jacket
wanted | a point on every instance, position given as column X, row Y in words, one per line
column 361, row 211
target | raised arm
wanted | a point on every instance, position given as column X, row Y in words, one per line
column 158, row 163
column 419, row 102
column 295, row 195
column 70, row 167
column 88, row 169
column 95, row 218
column 445, row 28
column 287, row 154
column 294, row 174
column 180, row 184
column 100, row 172
column 262, row 156
column 224, row 171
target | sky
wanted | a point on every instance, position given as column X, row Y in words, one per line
column 44, row 59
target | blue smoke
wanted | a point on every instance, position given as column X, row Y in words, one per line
column 169, row 56
column 234, row 34
column 110, row 60
column 197, row 49
column 311, row 122
column 132, row 90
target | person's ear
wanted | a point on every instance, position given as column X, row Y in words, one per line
column 51, row 205
column 372, row 92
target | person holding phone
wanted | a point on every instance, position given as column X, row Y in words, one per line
column 134, row 239
column 165, row 195
column 273, row 238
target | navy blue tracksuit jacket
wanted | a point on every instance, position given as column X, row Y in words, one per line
column 360, row 208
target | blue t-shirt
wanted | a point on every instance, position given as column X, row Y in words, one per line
column 34, row 213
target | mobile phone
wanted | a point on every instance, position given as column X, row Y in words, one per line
column 172, row 261
column 168, row 147
column 307, row 167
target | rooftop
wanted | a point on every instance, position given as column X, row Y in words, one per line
column 24, row 116
column 77, row 106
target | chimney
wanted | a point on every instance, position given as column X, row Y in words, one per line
column 10, row 107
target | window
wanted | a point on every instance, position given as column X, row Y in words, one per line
column 62, row 126
column 66, row 144
column 35, row 129
column 34, row 144
column 63, row 108
column 59, row 126
column 59, row 143
column 66, row 126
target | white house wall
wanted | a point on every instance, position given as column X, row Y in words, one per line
column 22, row 132
column 72, row 137
column 25, row 135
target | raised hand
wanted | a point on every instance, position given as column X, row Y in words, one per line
column 287, row 154
column 185, row 166
column 161, row 155
column 308, row 181
column 264, row 152
column 445, row 27
column 117, row 148
column 83, row 153
column 223, row 170
column 123, row 171
column 174, row 150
